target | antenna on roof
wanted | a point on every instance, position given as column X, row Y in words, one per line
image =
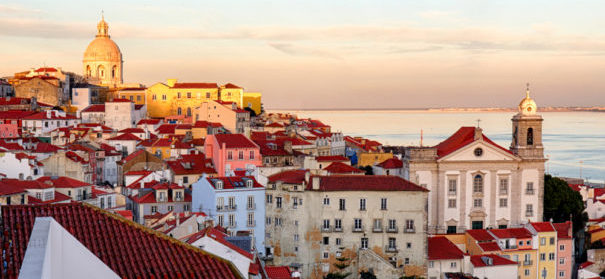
column 421, row 137
column 478, row 122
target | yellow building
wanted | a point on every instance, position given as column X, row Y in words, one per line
column 545, row 238
column 253, row 100
column 181, row 98
column 134, row 94
column 372, row 158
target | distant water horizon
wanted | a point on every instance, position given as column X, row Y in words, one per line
column 574, row 141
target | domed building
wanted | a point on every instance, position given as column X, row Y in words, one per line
column 102, row 59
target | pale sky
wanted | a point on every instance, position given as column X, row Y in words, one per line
column 333, row 54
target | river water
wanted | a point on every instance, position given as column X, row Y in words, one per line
column 574, row 142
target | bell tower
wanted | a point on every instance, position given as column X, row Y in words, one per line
column 527, row 130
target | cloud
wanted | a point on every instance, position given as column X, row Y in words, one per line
column 17, row 10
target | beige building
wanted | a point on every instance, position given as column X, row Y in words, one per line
column 376, row 221
column 234, row 119
column 475, row 183
column 102, row 63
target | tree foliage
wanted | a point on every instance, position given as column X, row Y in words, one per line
column 561, row 202
column 342, row 264
column 367, row 275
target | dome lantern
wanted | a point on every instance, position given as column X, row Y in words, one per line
column 527, row 105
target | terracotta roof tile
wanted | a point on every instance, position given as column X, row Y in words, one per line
column 235, row 141
column 195, row 85
column 441, row 248
column 289, row 176
column 392, row 163
column 511, row 233
column 478, row 260
column 363, row 183
column 461, row 138
column 338, row 167
column 480, row 235
column 278, row 272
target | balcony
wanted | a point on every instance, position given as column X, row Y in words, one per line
column 390, row 249
column 232, row 207
column 528, row 262
column 326, row 229
column 377, row 229
column 510, row 247
column 409, row 230
column 529, row 191
column 358, row 228
column 392, row 230
column 338, row 229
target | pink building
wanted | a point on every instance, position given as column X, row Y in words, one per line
column 565, row 249
column 230, row 152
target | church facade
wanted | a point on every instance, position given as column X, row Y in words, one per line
column 475, row 183
column 102, row 63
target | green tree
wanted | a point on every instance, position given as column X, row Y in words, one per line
column 561, row 202
column 367, row 275
column 341, row 265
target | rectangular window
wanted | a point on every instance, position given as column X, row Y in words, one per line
column 561, row 247
column 296, row 237
column 478, row 203
column 164, row 97
column 530, row 188
column 561, row 260
column 250, row 204
column 453, row 264
column 326, row 240
column 527, row 272
column 221, row 220
column 552, row 241
column 551, row 256
column 364, row 243
column 504, row 202
column 542, row 256
column 231, row 220
column 392, row 243
column 503, row 186
column 451, row 203
column 383, row 204
column 358, row 225
column 188, row 95
column 154, row 97
column 326, row 201
column 240, row 155
column 251, row 154
column 278, row 202
column 337, row 224
column 392, row 224
column 451, row 188
column 377, row 224
column 251, row 222
column 178, row 95
column 362, row 204
column 207, row 95
column 339, row 241
column 231, row 202
column 409, row 225
column 154, row 209
column 542, row 241
column 229, row 155
column 269, row 198
column 529, row 210
column 326, row 225
column 341, row 205
column 268, row 220
column 561, row 273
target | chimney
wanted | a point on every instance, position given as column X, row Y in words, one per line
column 307, row 176
column 142, row 184
column 288, row 146
column 178, row 220
column 316, row 181
column 478, row 133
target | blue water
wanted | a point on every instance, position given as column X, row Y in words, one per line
column 574, row 142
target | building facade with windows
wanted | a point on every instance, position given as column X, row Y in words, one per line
column 236, row 203
column 313, row 220
column 476, row 183
column 231, row 152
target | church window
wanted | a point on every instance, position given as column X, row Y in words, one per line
column 88, row 70
column 478, row 203
column 113, row 72
column 478, row 184
column 530, row 136
column 503, row 186
column 452, row 187
column 451, row 203
column 515, row 136
column 179, row 111
column 478, row 152
column 530, row 188
column 503, row 202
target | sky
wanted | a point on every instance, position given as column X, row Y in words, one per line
column 332, row 54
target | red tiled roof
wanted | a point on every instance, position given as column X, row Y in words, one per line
column 511, row 233
column 392, row 163
column 219, row 237
column 132, row 130
column 125, row 213
column 480, row 235
column 274, row 125
column 585, row 265
column 52, row 115
column 441, row 248
column 45, row 69
column 120, row 101
column 337, row 158
column 133, row 155
column 576, row 187
column 150, row 198
column 62, row 182
column 289, row 177
column 14, row 114
column 364, row 183
column 43, row 147
column 278, row 272
column 543, row 226
column 75, row 157
column 11, row 146
column 234, row 141
column 191, row 164
column 59, row 198
column 95, row 108
column 129, row 249
column 166, row 129
column 126, row 136
column 25, row 184
column 563, row 229
column 338, row 167
column 232, row 86
column 234, row 182
column 7, row 188
column 477, row 260
column 148, row 121
column 195, row 85
column 489, row 246
column 462, row 137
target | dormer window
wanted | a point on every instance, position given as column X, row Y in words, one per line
column 249, row 183
column 178, row 195
column 218, row 184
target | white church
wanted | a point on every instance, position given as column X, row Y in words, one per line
column 475, row 183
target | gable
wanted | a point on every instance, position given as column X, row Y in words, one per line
column 489, row 153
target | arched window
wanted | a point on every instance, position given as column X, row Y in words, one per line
column 101, row 71
column 88, row 70
column 478, row 184
column 179, row 111
column 530, row 136
column 188, row 111
column 113, row 72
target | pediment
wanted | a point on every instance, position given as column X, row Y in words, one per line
column 489, row 152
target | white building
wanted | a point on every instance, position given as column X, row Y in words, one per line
column 20, row 165
column 121, row 114
column 42, row 123
column 476, row 183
